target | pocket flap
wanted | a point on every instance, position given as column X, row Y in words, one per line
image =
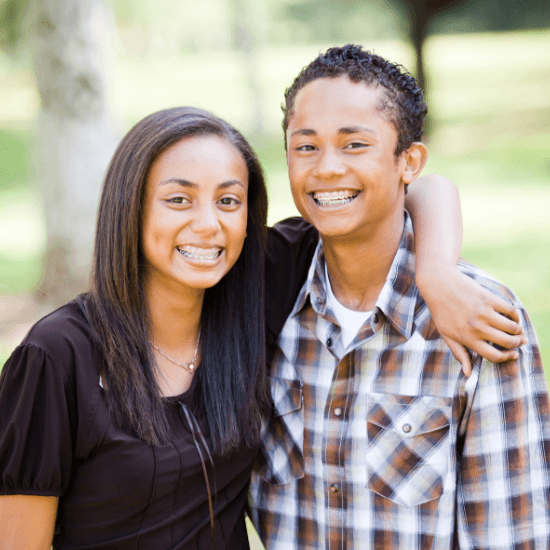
column 281, row 458
column 409, row 415
column 408, row 447
column 286, row 395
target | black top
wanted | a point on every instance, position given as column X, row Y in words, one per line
column 116, row 491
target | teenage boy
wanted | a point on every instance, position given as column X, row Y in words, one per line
column 378, row 440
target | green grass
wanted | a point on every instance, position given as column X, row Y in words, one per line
column 19, row 275
column 14, row 157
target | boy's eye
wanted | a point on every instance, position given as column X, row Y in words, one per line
column 305, row 148
column 355, row 145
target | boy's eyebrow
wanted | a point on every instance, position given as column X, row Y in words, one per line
column 344, row 130
column 186, row 183
column 304, row 132
column 356, row 130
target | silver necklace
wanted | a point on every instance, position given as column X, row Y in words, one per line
column 190, row 367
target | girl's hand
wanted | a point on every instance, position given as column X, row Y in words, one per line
column 467, row 315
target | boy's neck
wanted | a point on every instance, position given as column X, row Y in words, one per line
column 358, row 267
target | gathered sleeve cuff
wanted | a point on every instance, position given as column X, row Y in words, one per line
column 37, row 424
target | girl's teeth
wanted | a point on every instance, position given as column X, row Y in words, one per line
column 200, row 254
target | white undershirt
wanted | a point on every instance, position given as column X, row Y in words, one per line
column 350, row 321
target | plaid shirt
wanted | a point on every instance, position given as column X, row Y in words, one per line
column 392, row 447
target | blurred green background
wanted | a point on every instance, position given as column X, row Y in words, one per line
column 487, row 66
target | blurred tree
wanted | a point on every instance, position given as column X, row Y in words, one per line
column 76, row 138
column 248, row 39
column 11, row 17
column 493, row 15
column 420, row 14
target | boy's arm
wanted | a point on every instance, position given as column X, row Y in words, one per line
column 465, row 314
column 503, row 482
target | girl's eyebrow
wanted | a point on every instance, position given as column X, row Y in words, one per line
column 182, row 182
column 187, row 183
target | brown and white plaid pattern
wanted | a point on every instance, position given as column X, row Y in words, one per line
column 392, row 447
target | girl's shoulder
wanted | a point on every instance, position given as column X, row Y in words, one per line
column 60, row 346
column 61, row 331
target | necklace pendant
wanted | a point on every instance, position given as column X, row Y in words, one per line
column 191, row 367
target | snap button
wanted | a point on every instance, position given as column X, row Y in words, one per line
column 334, row 488
column 375, row 318
column 338, row 411
column 329, row 342
column 407, row 428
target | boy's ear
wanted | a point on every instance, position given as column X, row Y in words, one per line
column 415, row 158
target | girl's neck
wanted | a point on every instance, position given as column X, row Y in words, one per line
column 174, row 317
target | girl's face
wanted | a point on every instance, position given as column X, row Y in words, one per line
column 194, row 213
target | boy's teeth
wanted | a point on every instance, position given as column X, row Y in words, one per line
column 197, row 253
column 335, row 198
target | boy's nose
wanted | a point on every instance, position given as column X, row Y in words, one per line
column 329, row 166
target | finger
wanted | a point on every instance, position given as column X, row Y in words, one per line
column 507, row 341
column 489, row 352
column 461, row 354
column 498, row 321
column 505, row 308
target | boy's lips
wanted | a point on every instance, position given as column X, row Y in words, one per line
column 334, row 198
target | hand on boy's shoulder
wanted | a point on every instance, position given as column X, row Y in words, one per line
column 477, row 315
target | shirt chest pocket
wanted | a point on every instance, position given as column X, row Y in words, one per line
column 281, row 456
column 407, row 446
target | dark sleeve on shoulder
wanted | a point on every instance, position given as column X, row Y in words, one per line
column 38, row 420
column 290, row 247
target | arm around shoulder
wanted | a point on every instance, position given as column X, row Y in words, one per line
column 465, row 314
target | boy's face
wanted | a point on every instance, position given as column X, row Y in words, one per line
column 344, row 176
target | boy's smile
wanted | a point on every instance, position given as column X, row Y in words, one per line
column 345, row 177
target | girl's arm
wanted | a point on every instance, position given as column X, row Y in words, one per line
column 27, row 522
column 465, row 313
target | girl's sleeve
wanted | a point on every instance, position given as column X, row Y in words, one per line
column 37, row 424
column 290, row 247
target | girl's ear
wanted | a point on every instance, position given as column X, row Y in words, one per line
column 415, row 158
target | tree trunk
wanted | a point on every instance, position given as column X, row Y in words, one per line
column 418, row 26
column 247, row 39
column 76, row 135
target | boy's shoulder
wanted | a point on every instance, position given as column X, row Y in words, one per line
column 488, row 282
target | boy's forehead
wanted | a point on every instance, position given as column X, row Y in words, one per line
column 336, row 101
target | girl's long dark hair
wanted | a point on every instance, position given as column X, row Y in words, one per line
column 231, row 387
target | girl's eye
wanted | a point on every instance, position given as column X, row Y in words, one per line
column 229, row 201
column 305, row 148
column 178, row 200
column 356, row 145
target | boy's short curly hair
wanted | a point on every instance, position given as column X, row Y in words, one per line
column 403, row 101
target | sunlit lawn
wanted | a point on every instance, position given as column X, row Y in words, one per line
column 489, row 94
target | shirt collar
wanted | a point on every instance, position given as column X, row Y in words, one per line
column 397, row 300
